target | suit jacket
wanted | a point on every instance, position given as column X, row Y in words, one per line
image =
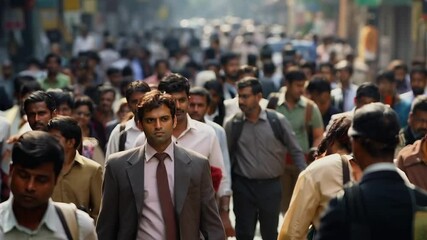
column 388, row 209
column 123, row 196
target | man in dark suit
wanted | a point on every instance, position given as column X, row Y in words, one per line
column 136, row 203
column 381, row 206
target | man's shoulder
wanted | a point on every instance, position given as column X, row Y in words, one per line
column 191, row 154
column 411, row 154
column 119, row 158
column 202, row 127
column 89, row 163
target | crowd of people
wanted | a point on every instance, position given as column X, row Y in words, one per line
column 157, row 143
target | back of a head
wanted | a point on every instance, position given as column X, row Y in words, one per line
column 36, row 148
column 377, row 126
column 227, row 57
column 386, row 75
column 269, row 68
column 68, row 127
column 174, row 83
column 368, row 90
column 40, row 96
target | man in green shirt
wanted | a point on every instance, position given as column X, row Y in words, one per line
column 55, row 79
column 305, row 119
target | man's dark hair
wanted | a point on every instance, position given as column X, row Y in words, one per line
column 269, row 68
column 155, row 99
column 214, row 85
column 309, row 65
column 84, row 101
column 295, row 75
column 246, row 69
column 418, row 69
column 387, row 75
column 337, row 133
column 227, row 57
column 161, row 61
column 368, row 90
column 328, row 65
column 174, row 83
column 319, row 85
column 52, row 55
column 68, row 127
column 36, row 148
column 202, row 92
column 251, row 82
column 106, row 89
column 113, row 70
column 211, row 63
column 62, row 97
column 40, row 96
column 402, row 66
column 26, row 84
column 419, row 104
column 136, row 86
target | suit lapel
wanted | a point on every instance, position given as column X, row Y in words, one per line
column 135, row 174
column 182, row 177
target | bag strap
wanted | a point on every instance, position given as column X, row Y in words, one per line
column 308, row 112
column 345, row 170
column 67, row 215
column 275, row 124
column 122, row 137
column 273, row 99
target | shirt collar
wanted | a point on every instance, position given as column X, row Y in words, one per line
column 376, row 167
column 9, row 221
column 191, row 124
column 150, row 151
column 130, row 124
column 78, row 159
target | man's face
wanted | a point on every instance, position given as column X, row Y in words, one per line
column 344, row 75
column 198, row 107
column 158, row 125
column 106, row 101
column 418, row 83
column 248, row 102
column 231, row 69
column 82, row 115
column 181, row 102
column 38, row 115
column 399, row 74
column 115, row 79
column 322, row 100
column 52, row 65
column 215, row 97
column 134, row 100
column 327, row 73
column 295, row 89
column 386, row 87
column 362, row 101
column 32, row 188
column 161, row 70
column 64, row 110
column 417, row 121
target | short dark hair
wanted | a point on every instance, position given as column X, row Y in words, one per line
column 106, row 89
column 199, row 91
column 174, row 83
column 269, row 67
column 418, row 69
column 161, row 61
column 36, row 148
column 319, row 84
column 113, row 70
column 368, row 90
column 68, row 127
column 154, row 99
column 62, row 97
column 26, row 84
column 247, row 69
column 84, row 101
column 251, row 82
column 402, row 66
column 52, row 55
column 295, row 75
column 328, row 65
column 227, row 57
column 40, row 96
column 386, row 75
column 136, row 86
column 419, row 104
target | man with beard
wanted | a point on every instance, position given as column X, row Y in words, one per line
column 418, row 84
column 39, row 107
column 417, row 122
column 230, row 65
column 54, row 79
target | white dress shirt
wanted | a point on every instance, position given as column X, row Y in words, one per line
column 132, row 133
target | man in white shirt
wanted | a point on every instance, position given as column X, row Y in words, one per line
column 128, row 131
column 37, row 161
column 84, row 42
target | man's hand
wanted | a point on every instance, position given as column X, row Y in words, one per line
column 229, row 230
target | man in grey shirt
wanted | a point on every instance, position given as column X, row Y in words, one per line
column 257, row 160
